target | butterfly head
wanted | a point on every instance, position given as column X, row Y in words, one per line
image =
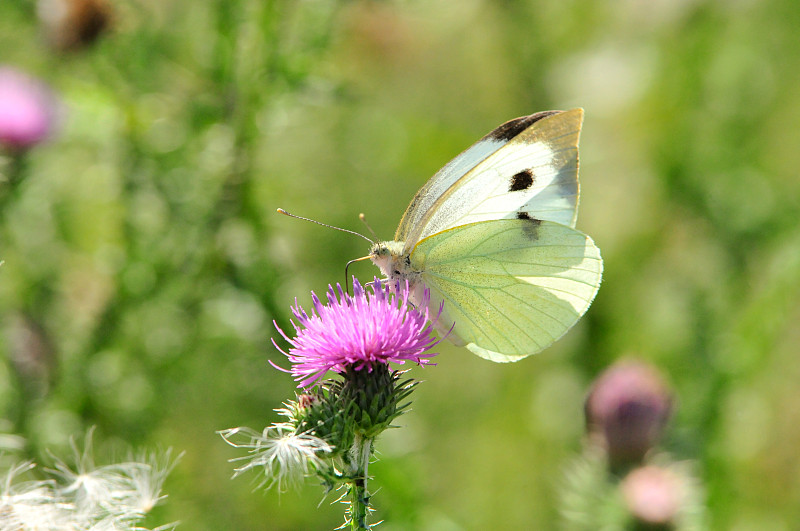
column 392, row 260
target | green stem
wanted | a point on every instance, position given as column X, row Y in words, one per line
column 359, row 456
column 15, row 172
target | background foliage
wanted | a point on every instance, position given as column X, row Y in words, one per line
column 144, row 261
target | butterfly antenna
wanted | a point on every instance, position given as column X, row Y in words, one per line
column 282, row 211
column 363, row 218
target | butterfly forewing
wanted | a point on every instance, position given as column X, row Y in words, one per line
column 512, row 287
column 456, row 168
column 532, row 173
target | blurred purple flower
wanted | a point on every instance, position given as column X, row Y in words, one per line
column 654, row 496
column 358, row 331
column 27, row 110
column 627, row 409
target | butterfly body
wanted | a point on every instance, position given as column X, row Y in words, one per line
column 492, row 236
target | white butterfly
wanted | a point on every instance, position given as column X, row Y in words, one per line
column 492, row 234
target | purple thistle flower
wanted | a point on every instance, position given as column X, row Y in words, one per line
column 358, row 331
column 27, row 110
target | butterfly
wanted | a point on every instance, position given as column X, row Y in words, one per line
column 492, row 235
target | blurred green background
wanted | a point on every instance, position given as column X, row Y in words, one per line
column 144, row 260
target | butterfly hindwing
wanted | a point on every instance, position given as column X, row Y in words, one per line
column 527, row 167
column 512, row 287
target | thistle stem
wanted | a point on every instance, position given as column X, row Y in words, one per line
column 15, row 170
column 359, row 455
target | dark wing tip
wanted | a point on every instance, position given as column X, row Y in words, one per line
column 512, row 128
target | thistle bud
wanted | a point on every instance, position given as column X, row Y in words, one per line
column 71, row 25
column 626, row 411
column 305, row 400
column 653, row 496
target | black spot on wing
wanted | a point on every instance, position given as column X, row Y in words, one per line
column 531, row 228
column 521, row 181
column 512, row 128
